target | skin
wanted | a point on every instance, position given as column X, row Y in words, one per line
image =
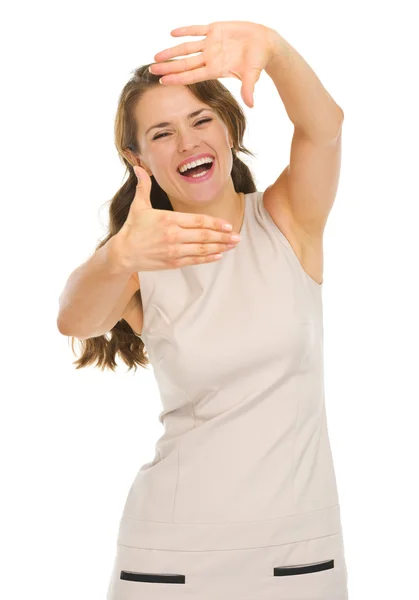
column 160, row 157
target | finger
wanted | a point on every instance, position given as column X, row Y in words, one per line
column 197, row 221
column 187, row 77
column 177, row 66
column 190, row 30
column 180, row 50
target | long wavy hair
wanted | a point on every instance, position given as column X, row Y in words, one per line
column 121, row 339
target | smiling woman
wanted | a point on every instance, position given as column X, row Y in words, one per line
column 188, row 129
column 196, row 121
column 240, row 499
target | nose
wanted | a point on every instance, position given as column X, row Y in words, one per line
column 188, row 140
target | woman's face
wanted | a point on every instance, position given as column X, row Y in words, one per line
column 164, row 147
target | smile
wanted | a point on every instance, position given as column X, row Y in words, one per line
column 199, row 177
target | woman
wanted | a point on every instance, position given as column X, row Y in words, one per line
column 240, row 500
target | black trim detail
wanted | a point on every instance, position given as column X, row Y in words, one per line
column 300, row 569
column 152, row 577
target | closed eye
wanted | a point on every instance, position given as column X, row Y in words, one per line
column 197, row 123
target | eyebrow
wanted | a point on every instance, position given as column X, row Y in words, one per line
column 167, row 123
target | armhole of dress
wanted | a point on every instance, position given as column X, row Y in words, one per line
column 140, row 308
column 273, row 225
column 285, row 241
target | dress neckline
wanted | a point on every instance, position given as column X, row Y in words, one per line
column 244, row 213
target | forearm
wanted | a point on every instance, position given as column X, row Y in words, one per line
column 91, row 292
column 308, row 104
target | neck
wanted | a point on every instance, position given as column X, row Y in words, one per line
column 230, row 206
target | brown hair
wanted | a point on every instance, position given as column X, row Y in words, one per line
column 122, row 339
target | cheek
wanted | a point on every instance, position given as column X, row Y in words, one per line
column 227, row 160
column 162, row 166
column 161, row 160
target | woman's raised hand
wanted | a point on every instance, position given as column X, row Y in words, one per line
column 153, row 239
column 239, row 49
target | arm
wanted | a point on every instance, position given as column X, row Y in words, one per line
column 309, row 106
column 305, row 190
column 93, row 292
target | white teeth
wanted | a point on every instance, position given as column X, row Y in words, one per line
column 200, row 174
column 201, row 161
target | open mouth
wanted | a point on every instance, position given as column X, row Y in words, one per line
column 199, row 172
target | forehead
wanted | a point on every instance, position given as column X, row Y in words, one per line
column 166, row 103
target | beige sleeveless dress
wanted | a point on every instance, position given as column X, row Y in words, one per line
column 240, row 501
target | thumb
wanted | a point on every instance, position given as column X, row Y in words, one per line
column 142, row 193
column 249, row 80
column 139, row 172
column 136, row 172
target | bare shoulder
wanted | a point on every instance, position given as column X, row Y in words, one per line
column 308, row 249
column 133, row 313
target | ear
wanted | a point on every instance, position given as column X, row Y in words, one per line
column 135, row 161
column 144, row 166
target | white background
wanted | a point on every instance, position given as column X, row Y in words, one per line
column 73, row 440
